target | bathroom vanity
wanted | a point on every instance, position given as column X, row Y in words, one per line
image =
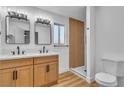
column 18, row 69
column 29, row 70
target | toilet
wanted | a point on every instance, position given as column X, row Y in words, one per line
column 112, row 69
column 106, row 80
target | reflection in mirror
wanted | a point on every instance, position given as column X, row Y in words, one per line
column 42, row 33
column 17, row 31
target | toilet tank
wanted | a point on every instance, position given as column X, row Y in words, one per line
column 113, row 65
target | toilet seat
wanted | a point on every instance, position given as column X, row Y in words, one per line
column 106, row 79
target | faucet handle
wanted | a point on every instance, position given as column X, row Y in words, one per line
column 40, row 51
column 13, row 52
column 46, row 51
column 23, row 52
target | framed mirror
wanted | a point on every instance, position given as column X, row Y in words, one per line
column 42, row 33
column 17, row 31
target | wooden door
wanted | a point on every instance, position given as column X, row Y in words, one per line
column 24, row 76
column 39, row 75
column 76, row 40
column 7, row 78
column 52, row 73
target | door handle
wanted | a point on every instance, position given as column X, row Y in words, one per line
column 16, row 74
column 47, row 68
column 13, row 75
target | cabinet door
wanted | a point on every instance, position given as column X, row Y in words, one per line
column 24, row 76
column 7, row 78
column 52, row 73
column 39, row 75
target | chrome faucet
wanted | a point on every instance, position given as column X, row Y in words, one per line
column 43, row 49
column 18, row 50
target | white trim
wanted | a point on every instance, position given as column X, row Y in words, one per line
column 81, row 76
column 63, row 71
column 87, row 79
column 90, row 80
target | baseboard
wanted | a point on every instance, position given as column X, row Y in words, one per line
column 81, row 76
column 65, row 70
column 90, row 80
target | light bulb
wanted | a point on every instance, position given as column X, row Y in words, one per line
column 8, row 9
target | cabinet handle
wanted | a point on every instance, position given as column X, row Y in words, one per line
column 47, row 68
column 13, row 75
column 16, row 75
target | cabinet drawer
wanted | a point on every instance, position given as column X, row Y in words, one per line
column 15, row 63
column 45, row 59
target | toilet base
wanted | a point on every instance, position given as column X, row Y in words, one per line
column 105, row 80
column 100, row 85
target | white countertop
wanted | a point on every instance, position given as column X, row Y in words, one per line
column 10, row 57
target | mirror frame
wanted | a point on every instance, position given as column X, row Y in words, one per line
column 6, row 32
column 50, row 34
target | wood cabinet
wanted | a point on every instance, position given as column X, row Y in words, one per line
column 29, row 72
column 39, row 75
column 14, row 75
column 15, row 63
column 45, row 71
column 24, row 76
column 52, row 73
column 6, row 78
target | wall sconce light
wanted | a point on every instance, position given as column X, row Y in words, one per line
column 43, row 21
column 14, row 14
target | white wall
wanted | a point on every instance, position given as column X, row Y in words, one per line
column 90, row 43
column 78, row 12
column 32, row 13
column 109, row 34
column 0, row 30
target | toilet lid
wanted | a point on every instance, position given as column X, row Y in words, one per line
column 106, row 78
